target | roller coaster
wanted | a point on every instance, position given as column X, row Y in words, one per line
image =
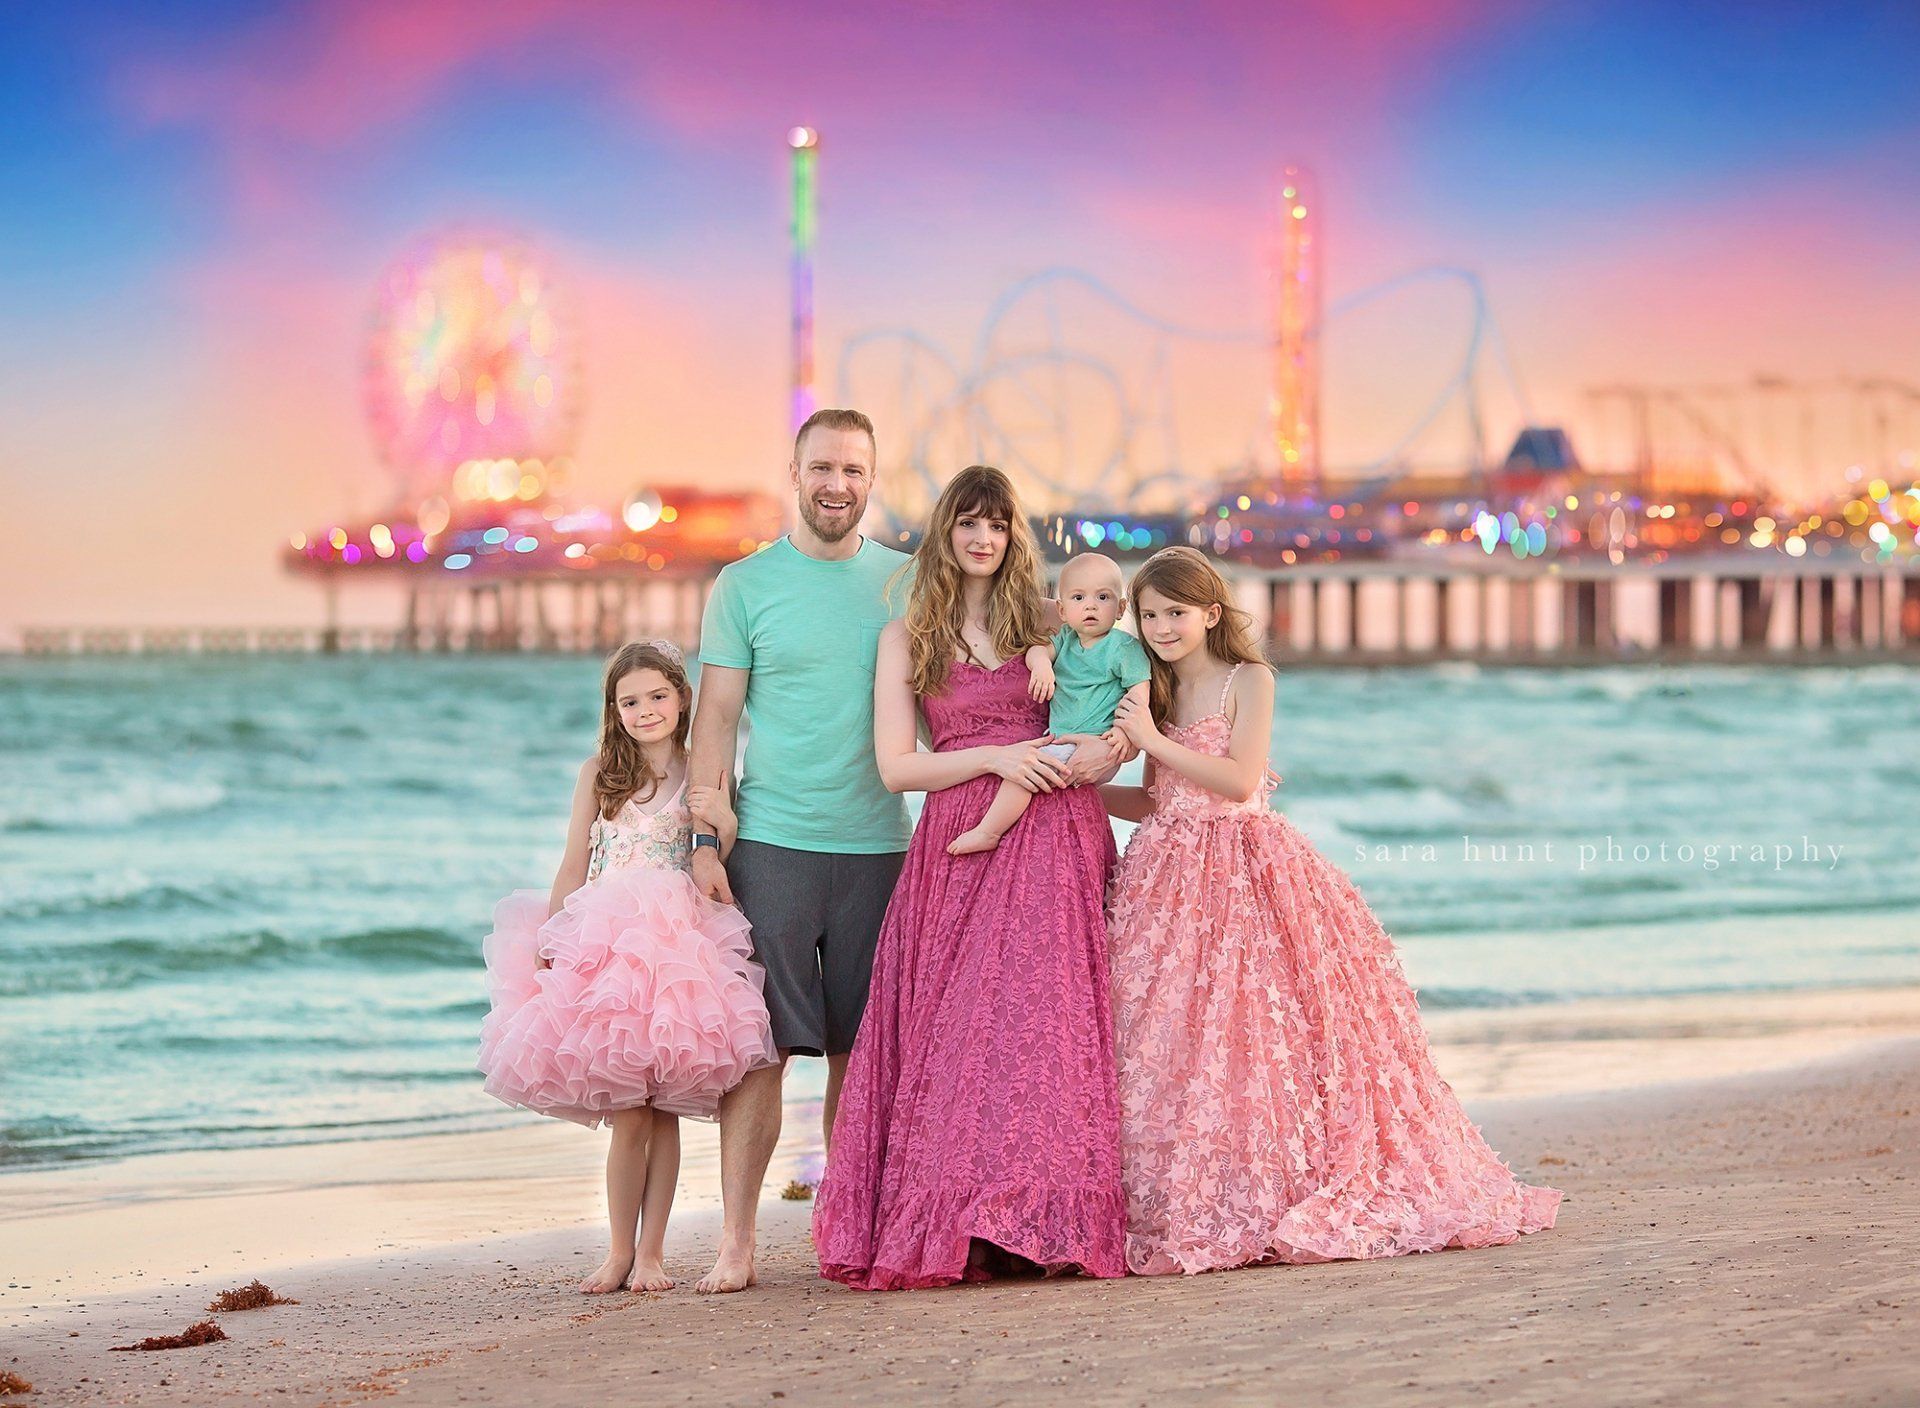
column 1081, row 429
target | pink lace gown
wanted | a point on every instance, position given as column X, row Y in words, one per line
column 1278, row 1100
column 979, row 1099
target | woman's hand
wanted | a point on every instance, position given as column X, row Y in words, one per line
column 1026, row 766
column 710, row 805
column 1093, row 760
column 1135, row 722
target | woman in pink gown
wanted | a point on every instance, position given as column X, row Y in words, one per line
column 979, row 1108
column 1278, row 1100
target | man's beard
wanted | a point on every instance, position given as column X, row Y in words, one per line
column 825, row 530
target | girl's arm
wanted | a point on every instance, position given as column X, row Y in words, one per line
column 573, row 865
column 1236, row 776
column 904, row 768
column 1130, row 803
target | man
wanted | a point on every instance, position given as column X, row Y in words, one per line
column 789, row 637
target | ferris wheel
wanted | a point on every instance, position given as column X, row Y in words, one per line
column 470, row 357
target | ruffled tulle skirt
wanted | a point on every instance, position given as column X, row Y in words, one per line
column 1278, row 1099
column 652, row 999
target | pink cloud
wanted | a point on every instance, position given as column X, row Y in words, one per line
column 936, row 83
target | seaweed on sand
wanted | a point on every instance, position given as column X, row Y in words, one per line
column 202, row 1332
column 252, row 1296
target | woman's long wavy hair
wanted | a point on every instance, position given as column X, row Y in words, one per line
column 623, row 773
column 936, row 609
column 1186, row 576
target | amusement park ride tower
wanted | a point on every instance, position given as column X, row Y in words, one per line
column 1296, row 336
column 806, row 155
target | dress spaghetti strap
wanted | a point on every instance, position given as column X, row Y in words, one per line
column 1227, row 688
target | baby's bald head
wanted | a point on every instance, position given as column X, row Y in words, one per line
column 1091, row 570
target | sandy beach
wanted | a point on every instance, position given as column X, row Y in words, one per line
column 1741, row 1180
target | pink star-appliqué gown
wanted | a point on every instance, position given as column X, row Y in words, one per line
column 1278, row 1100
column 979, row 1099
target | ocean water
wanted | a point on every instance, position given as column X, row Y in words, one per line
column 241, row 900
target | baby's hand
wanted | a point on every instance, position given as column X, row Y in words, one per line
column 1040, row 686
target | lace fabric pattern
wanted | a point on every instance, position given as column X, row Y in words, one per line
column 1278, row 1099
column 980, row 1098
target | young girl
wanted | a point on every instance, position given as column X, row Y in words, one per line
column 1277, row 1098
column 625, row 996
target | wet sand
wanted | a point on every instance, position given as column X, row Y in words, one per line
column 1743, row 1234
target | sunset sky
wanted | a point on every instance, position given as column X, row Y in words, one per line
column 201, row 199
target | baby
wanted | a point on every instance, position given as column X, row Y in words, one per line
column 1086, row 670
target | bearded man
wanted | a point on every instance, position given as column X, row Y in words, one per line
column 789, row 638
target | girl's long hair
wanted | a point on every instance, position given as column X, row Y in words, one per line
column 936, row 609
column 1181, row 574
column 623, row 772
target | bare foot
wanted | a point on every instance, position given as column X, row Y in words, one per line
column 611, row 1276
column 649, row 1275
column 732, row 1271
column 972, row 842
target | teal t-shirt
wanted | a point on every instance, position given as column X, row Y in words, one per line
column 809, row 630
column 1089, row 681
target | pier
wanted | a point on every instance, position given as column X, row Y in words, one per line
column 573, row 616
column 1747, row 609
column 1731, row 610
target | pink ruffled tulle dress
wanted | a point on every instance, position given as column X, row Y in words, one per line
column 652, row 998
column 979, row 1099
column 1278, row 1100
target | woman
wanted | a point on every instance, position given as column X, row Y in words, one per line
column 979, row 1126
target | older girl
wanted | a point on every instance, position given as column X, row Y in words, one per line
column 1278, row 1102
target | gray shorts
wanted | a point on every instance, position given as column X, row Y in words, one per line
column 816, row 919
column 1063, row 751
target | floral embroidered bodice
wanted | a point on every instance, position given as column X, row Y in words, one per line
column 659, row 837
column 1177, row 796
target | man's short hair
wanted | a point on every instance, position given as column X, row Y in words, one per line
column 830, row 418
